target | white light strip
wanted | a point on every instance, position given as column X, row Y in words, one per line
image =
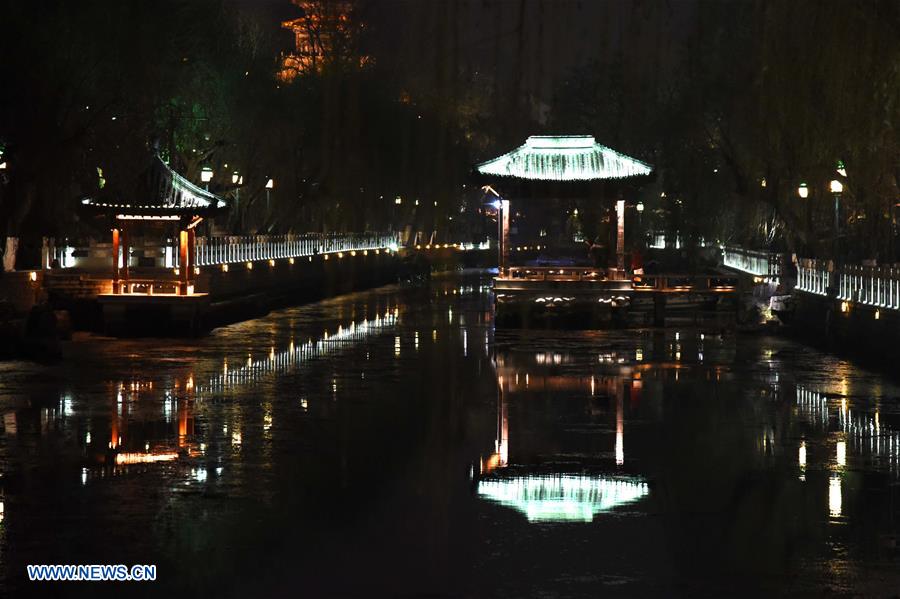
column 146, row 217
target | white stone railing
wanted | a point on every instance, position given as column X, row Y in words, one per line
column 758, row 263
column 249, row 248
column 813, row 277
column 876, row 286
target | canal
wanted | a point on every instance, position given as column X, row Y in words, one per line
column 392, row 443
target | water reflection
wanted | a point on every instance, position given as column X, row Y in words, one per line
column 856, row 432
column 563, row 497
column 523, row 483
column 336, row 434
column 134, row 437
column 835, row 497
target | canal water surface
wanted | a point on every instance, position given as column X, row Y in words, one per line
column 393, row 443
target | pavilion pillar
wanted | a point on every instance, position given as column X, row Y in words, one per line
column 620, row 238
column 126, row 252
column 192, row 255
column 115, row 260
column 183, row 258
column 503, row 237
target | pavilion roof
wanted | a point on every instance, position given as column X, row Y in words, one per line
column 162, row 193
column 564, row 158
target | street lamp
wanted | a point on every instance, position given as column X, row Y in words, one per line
column 836, row 188
column 206, row 176
column 640, row 210
column 803, row 191
column 270, row 185
column 237, row 179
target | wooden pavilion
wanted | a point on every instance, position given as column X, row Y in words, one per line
column 546, row 167
column 164, row 201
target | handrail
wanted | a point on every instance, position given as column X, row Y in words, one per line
column 876, row 286
column 248, row 248
column 555, row 273
column 760, row 263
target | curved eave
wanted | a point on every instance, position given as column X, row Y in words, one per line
column 159, row 212
column 564, row 162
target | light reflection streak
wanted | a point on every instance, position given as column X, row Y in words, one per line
column 835, row 497
column 620, row 425
column 145, row 458
column 274, row 363
column 861, row 433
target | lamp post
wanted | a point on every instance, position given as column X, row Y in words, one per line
column 640, row 210
column 836, row 188
column 270, row 185
column 237, row 180
column 803, row 191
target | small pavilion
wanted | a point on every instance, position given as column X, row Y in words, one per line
column 562, row 166
column 167, row 201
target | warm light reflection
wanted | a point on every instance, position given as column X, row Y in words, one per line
column 801, row 455
column 841, row 453
column 561, row 497
column 620, row 427
column 835, row 498
column 145, row 458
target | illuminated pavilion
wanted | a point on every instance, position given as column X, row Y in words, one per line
column 562, row 166
column 167, row 201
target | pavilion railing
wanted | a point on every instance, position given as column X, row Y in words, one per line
column 755, row 262
column 248, row 248
column 876, row 286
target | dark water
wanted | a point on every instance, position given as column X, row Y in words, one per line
column 391, row 443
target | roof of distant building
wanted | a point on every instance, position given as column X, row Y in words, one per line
column 564, row 158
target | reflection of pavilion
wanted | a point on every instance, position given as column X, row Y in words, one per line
column 562, row 497
column 134, row 443
column 542, row 495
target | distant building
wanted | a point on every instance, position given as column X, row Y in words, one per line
column 327, row 33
